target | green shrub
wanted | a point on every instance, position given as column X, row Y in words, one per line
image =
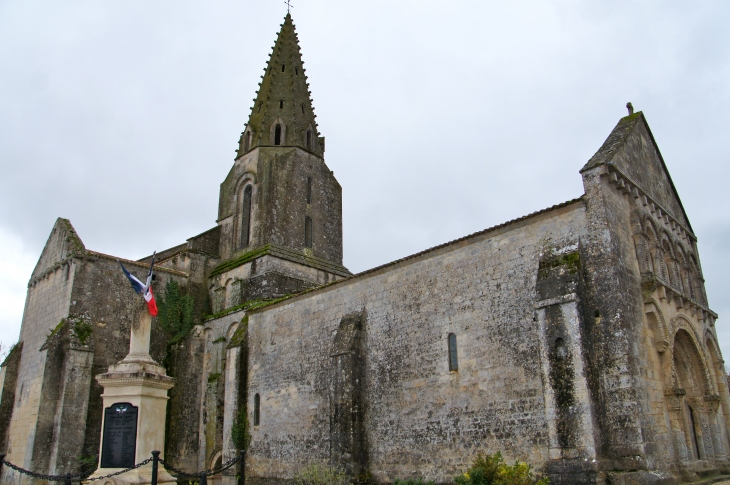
column 321, row 475
column 492, row 470
column 412, row 481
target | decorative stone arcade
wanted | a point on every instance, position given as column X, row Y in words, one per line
column 135, row 405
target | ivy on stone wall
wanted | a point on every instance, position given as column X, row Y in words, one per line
column 175, row 311
column 240, row 430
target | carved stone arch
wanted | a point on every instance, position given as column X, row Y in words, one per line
column 695, row 279
column 272, row 131
column 683, row 271
column 215, row 462
column 652, row 242
column 652, row 307
column 681, row 323
column 229, row 291
column 713, row 352
column 245, row 179
column 246, row 141
column 640, row 247
column 218, row 454
column 231, row 330
column 662, row 340
column 721, row 399
column 669, row 259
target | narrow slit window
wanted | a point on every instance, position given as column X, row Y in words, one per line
column 283, row 67
column 281, row 104
column 309, row 139
column 309, row 190
column 302, row 109
column 246, row 217
column 247, row 141
column 296, row 71
column 260, row 107
column 308, row 232
column 256, row 410
column 453, row 357
column 277, row 134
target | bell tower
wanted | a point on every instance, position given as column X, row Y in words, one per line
column 282, row 114
column 280, row 208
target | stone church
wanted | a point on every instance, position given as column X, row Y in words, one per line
column 577, row 338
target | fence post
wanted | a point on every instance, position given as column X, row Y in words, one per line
column 242, row 469
column 67, row 480
column 155, row 458
column 203, row 478
column 2, row 461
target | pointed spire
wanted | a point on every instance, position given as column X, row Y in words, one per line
column 282, row 113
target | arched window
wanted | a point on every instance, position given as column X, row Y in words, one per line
column 247, row 141
column 309, row 139
column 669, row 264
column 277, row 134
column 453, row 357
column 246, row 216
column 309, row 190
column 308, row 232
column 256, row 410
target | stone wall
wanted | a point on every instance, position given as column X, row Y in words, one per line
column 279, row 203
column 182, row 437
column 103, row 295
column 47, row 303
column 420, row 419
column 8, row 382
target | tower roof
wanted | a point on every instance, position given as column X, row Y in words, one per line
column 283, row 100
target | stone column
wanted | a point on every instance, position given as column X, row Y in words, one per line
column 140, row 382
column 674, row 402
column 230, row 412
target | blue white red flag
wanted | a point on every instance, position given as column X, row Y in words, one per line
column 144, row 288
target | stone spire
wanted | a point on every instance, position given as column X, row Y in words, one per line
column 282, row 113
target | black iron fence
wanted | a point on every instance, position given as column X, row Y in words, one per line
column 155, row 459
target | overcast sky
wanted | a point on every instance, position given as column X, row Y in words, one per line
column 442, row 118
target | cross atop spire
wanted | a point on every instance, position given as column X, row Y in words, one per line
column 282, row 114
column 288, row 6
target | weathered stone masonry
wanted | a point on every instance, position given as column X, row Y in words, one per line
column 584, row 342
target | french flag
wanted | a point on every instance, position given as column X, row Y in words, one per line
column 144, row 288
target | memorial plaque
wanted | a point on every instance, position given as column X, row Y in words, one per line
column 120, row 436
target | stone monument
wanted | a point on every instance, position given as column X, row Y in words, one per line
column 135, row 403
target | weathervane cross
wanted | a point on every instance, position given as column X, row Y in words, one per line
column 288, row 6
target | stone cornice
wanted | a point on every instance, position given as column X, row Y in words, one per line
column 654, row 284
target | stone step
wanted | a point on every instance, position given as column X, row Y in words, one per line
column 714, row 479
column 707, row 472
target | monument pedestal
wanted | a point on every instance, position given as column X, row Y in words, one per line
column 135, row 405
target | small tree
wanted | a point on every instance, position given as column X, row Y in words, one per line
column 175, row 311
